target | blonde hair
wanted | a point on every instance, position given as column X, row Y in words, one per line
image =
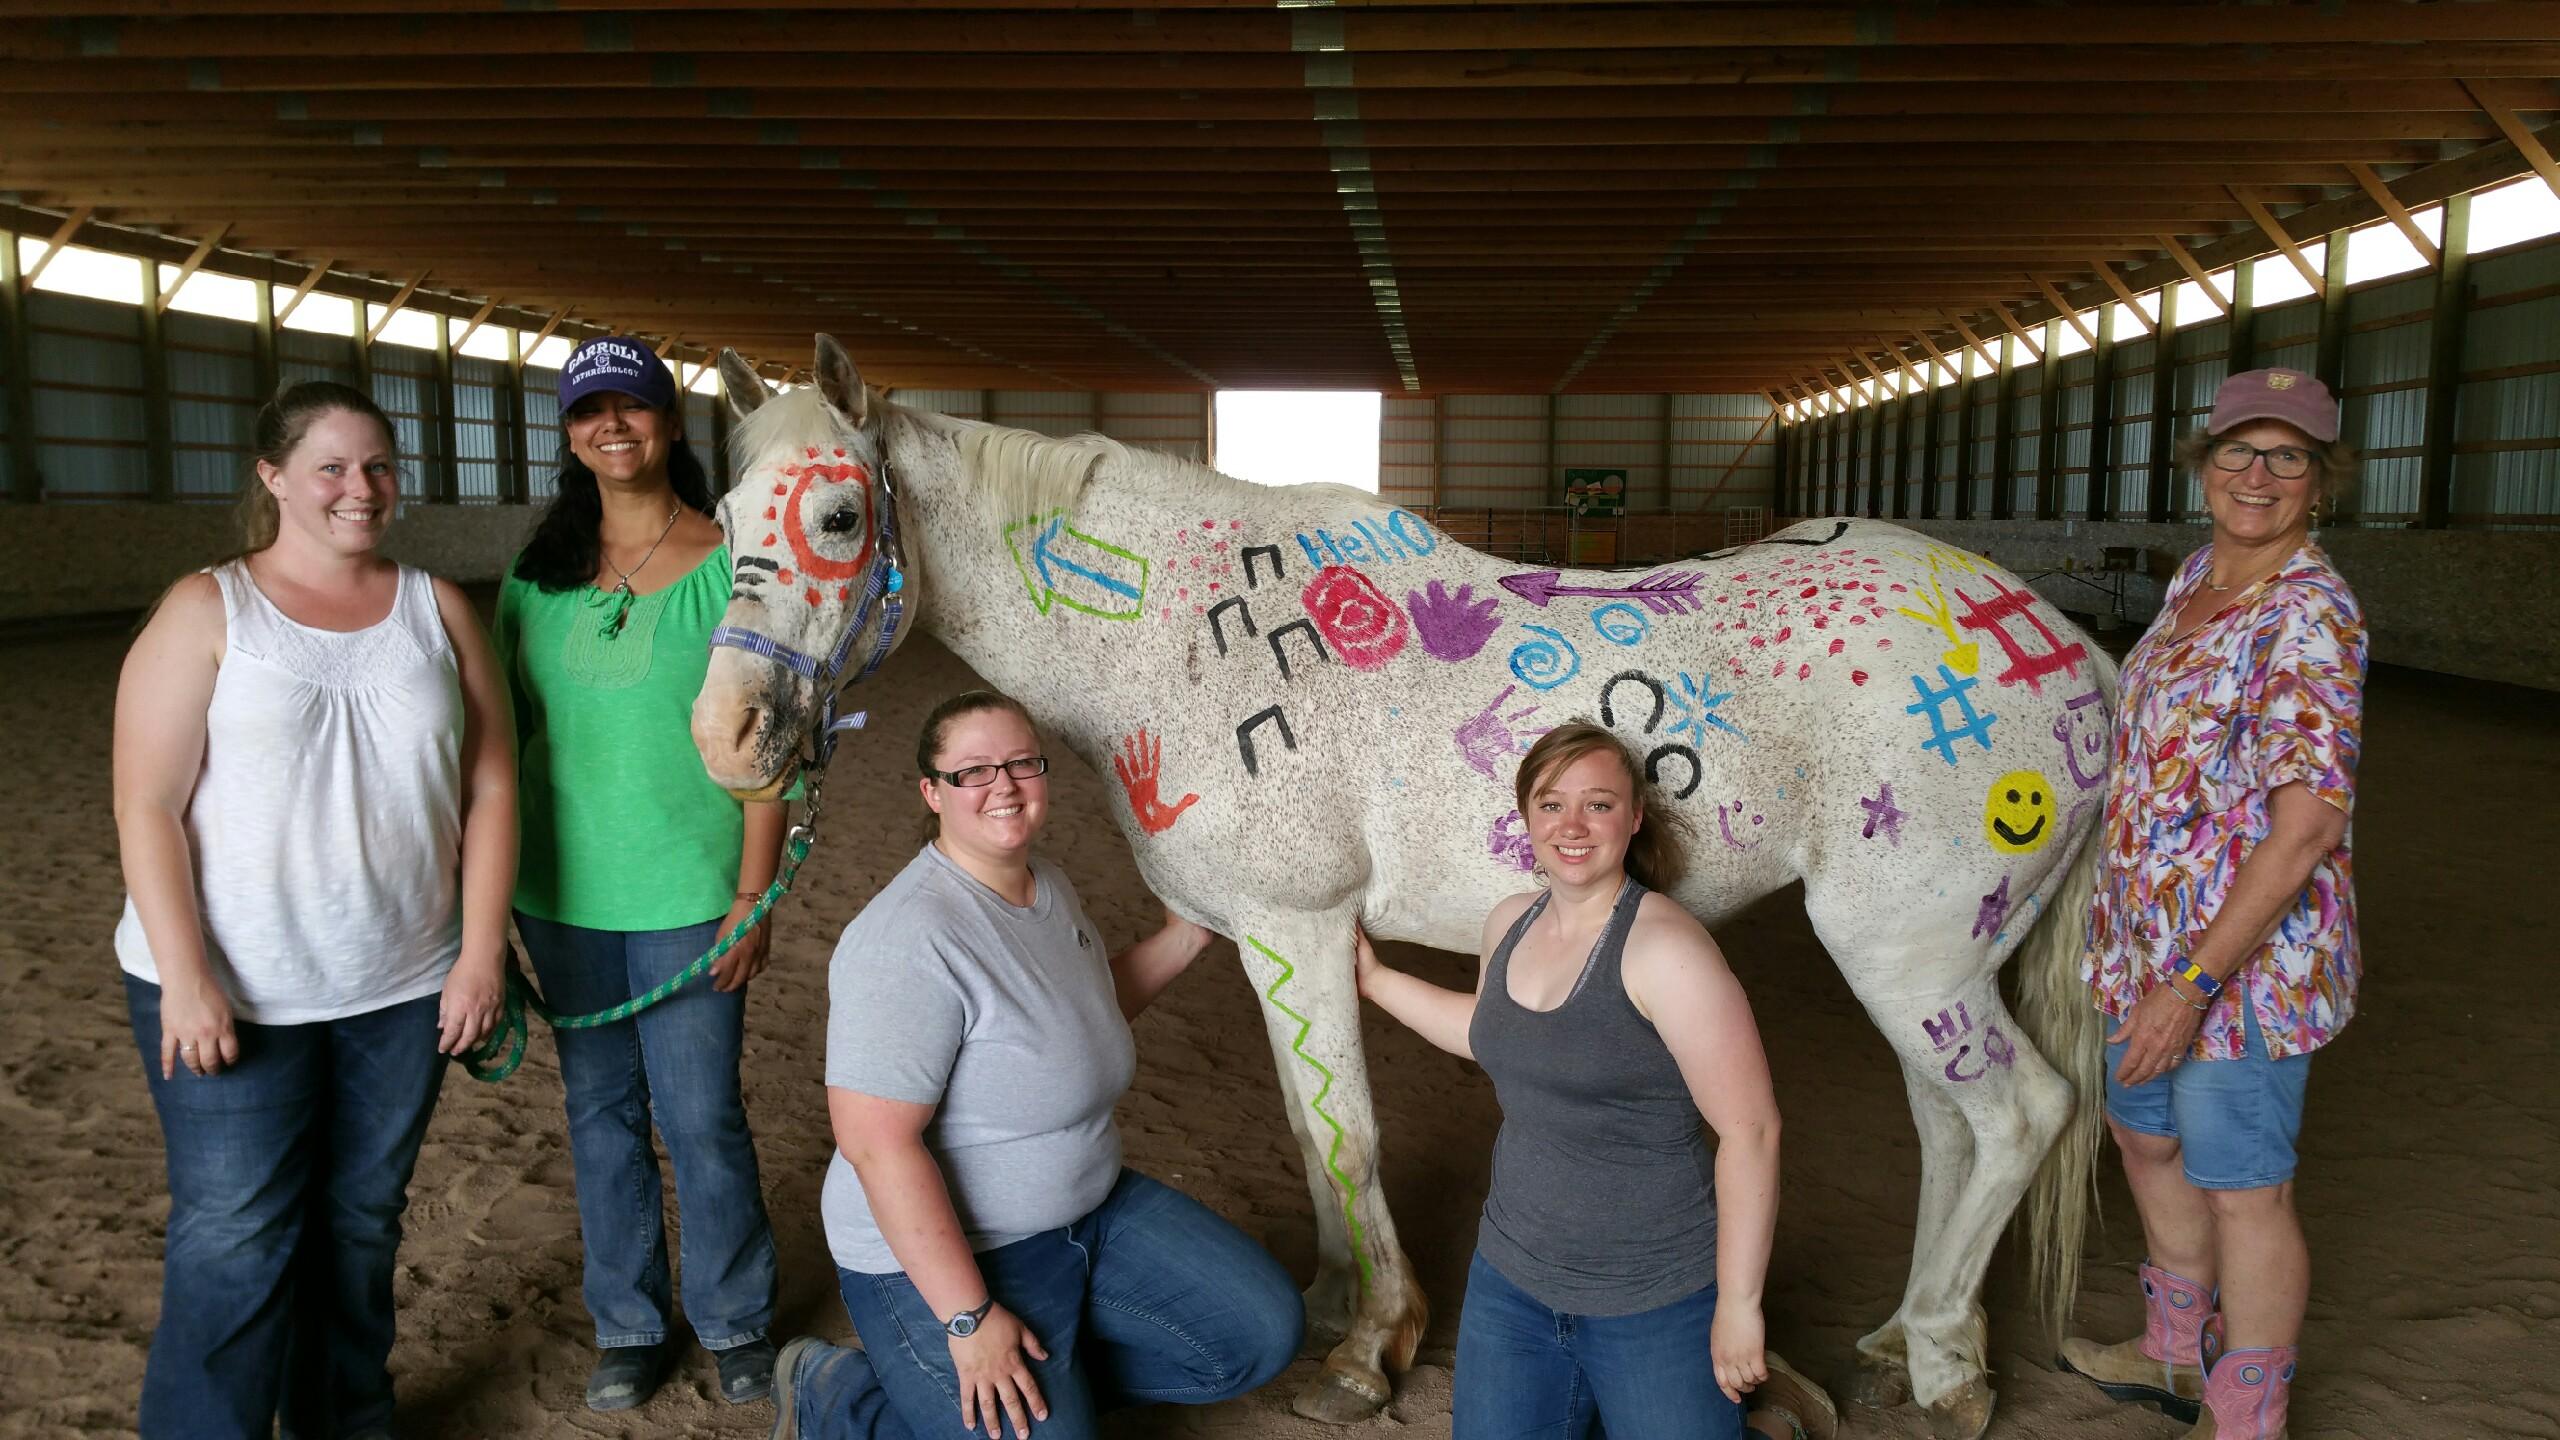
column 1658, row 852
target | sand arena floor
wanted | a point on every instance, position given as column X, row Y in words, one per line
column 2430, row 1184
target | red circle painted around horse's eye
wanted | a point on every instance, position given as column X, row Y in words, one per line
column 813, row 564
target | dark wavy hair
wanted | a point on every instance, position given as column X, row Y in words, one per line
column 568, row 543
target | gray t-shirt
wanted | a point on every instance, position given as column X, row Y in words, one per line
column 1001, row 1017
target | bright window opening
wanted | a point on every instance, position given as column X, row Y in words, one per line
column 415, row 329
column 2197, row 305
column 2020, row 357
column 225, row 297
column 1291, row 437
column 2276, row 281
column 2380, row 249
column 489, row 342
column 2513, row 214
column 551, row 354
column 94, row 274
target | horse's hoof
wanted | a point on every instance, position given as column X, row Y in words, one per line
column 1339, row 1396
column 1963, row 1413
column 1882, row 1384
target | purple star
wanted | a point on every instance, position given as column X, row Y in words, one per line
column 1881, row 811
column 1995, row 908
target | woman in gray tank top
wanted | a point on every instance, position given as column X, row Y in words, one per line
column 1618, row 1267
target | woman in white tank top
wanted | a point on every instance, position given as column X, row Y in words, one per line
column 315, row 800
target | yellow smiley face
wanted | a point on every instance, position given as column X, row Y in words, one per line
column 2017, row 816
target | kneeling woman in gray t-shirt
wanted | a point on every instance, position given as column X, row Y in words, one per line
column 998, row 1260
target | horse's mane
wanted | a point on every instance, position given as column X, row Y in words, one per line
column 788, row 423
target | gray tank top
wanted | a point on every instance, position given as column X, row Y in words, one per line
column 1603, row 1199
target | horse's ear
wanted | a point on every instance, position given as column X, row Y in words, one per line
column 840, row 382
column 740, row 385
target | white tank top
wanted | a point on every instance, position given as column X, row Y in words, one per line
column 326, row 824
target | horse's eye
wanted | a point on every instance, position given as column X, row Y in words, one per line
column 842, row 520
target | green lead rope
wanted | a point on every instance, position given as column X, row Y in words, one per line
column 497, row 1057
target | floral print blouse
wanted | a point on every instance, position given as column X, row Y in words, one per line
column 2267, row 691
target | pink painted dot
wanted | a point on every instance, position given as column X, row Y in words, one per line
column 1721, row 599
column 1208, row 524
column 1742, row 577
column 813, row 590
column 1869, row 587
column 1821, row 622
column 1235, row 524
column 1857, row 677
column 1195, row 562
column 1759, row 642
column 839, row 454
column 1784, row 631
column 1213, row 587
column 813, row 452
column 1857, row 619
column 1807, row 592
column 1778, row 669
column 1901, row 589
column 781, row 489
column 1884, row 642
column 1836, row 647
column 1803, row 670
column 1835, row 605
column 1199, row 609
column 1220, row 547
column 1747, row 604
column 1182, row 594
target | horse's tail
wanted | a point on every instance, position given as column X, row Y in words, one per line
column 2054, row 1006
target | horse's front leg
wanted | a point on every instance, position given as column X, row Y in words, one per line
column 1301, row 968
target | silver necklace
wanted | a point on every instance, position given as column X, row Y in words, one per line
column 612, row 625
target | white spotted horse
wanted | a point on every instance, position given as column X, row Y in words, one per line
column 1313, row 703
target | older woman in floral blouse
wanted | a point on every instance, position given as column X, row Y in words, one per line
column 2223, row 941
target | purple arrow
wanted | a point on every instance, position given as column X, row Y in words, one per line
column 1664, row 592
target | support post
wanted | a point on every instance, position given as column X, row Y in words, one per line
column 2243, row 350
column 1662, row 452
column 266, row 343
column 515, row 444
column 26, row 477
column 364, row 351
column 1965, row 379
column 159, row 458
column 2049, row 427
column 2004, row 431
column 1903, row 406
column 2102, row 421
column 2164, row 405
column 2444, row 368
column 446, row 487
column 2330, row 355
column 1927, row 509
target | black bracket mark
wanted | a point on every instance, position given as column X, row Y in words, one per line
column 1838, row 529
column 1609, row 715
column 759, row 562
column 1244, row 613
column 1281, row 654
column 1653, row 768
column 1244, row 737
column 1279, row 569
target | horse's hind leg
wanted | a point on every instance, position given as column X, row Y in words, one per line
column 1946, row 1161
column 1966, row 1047
column 1301, row 969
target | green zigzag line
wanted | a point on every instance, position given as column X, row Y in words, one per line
column 1333, row 1154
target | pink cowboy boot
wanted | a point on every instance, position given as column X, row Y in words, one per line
column 2164, row 1367
column 2245, row 1391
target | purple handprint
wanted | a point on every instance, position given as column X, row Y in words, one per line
column 1486, row 740
column 1509, row 842
column 1454, row 627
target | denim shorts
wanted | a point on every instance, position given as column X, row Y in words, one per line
column 2235, row 1121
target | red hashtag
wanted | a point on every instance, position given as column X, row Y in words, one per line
column 2028, row 666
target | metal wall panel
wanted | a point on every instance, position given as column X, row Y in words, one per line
column 1051, row 412
column 960, row 404
column 1494, row 451
column 543, row 447
column 1723, row 451
column 86, row 371
column 1171, row 422
column 310, row 355
column 1408, row 430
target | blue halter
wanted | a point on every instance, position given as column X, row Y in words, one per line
column 881, row 585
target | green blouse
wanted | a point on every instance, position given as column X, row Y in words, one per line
column 621, row 828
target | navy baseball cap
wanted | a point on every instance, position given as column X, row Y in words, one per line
column 619, row 363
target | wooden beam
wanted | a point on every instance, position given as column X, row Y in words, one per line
column 2049, row 423
column 2444, row 370
column 1964, row 447
column 159, row 452
column 70, row 226
column 1976, row 341
column 1930, row 419
column 2330, row 350
column 187, row 271
column 2009, row 318
column 2164, row 404
column 2064, row 311
column 2100, row 503
column 2534, row 152
column 545, row 332
column 309, row 279
column 2004, row 431
column 446, row 483
column 479, row 318
column 2267, row 224
column 666, row 347
column 2187, row 261
column 373, row 332
column 2391, row 206
column 1939, row 357
column 2116, row 283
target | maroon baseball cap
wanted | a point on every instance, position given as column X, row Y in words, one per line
column 2298, row 400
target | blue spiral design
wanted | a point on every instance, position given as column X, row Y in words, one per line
column 1546, row 663
column 1620, row 623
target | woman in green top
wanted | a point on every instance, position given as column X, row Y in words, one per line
column 634, row 863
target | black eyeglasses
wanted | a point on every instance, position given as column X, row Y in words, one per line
column 2285, row 462
column 973, row 777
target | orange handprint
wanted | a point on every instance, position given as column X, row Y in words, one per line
column 1140, row 760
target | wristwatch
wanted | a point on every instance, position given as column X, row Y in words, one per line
column 965, row 1324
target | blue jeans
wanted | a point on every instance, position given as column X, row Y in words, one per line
column 288, row 1173
column 2235, row 1121
column 676, row 1062
column 1526, row 1372
column 1151, row 1299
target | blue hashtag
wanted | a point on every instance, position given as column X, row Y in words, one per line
column 1943, row 738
